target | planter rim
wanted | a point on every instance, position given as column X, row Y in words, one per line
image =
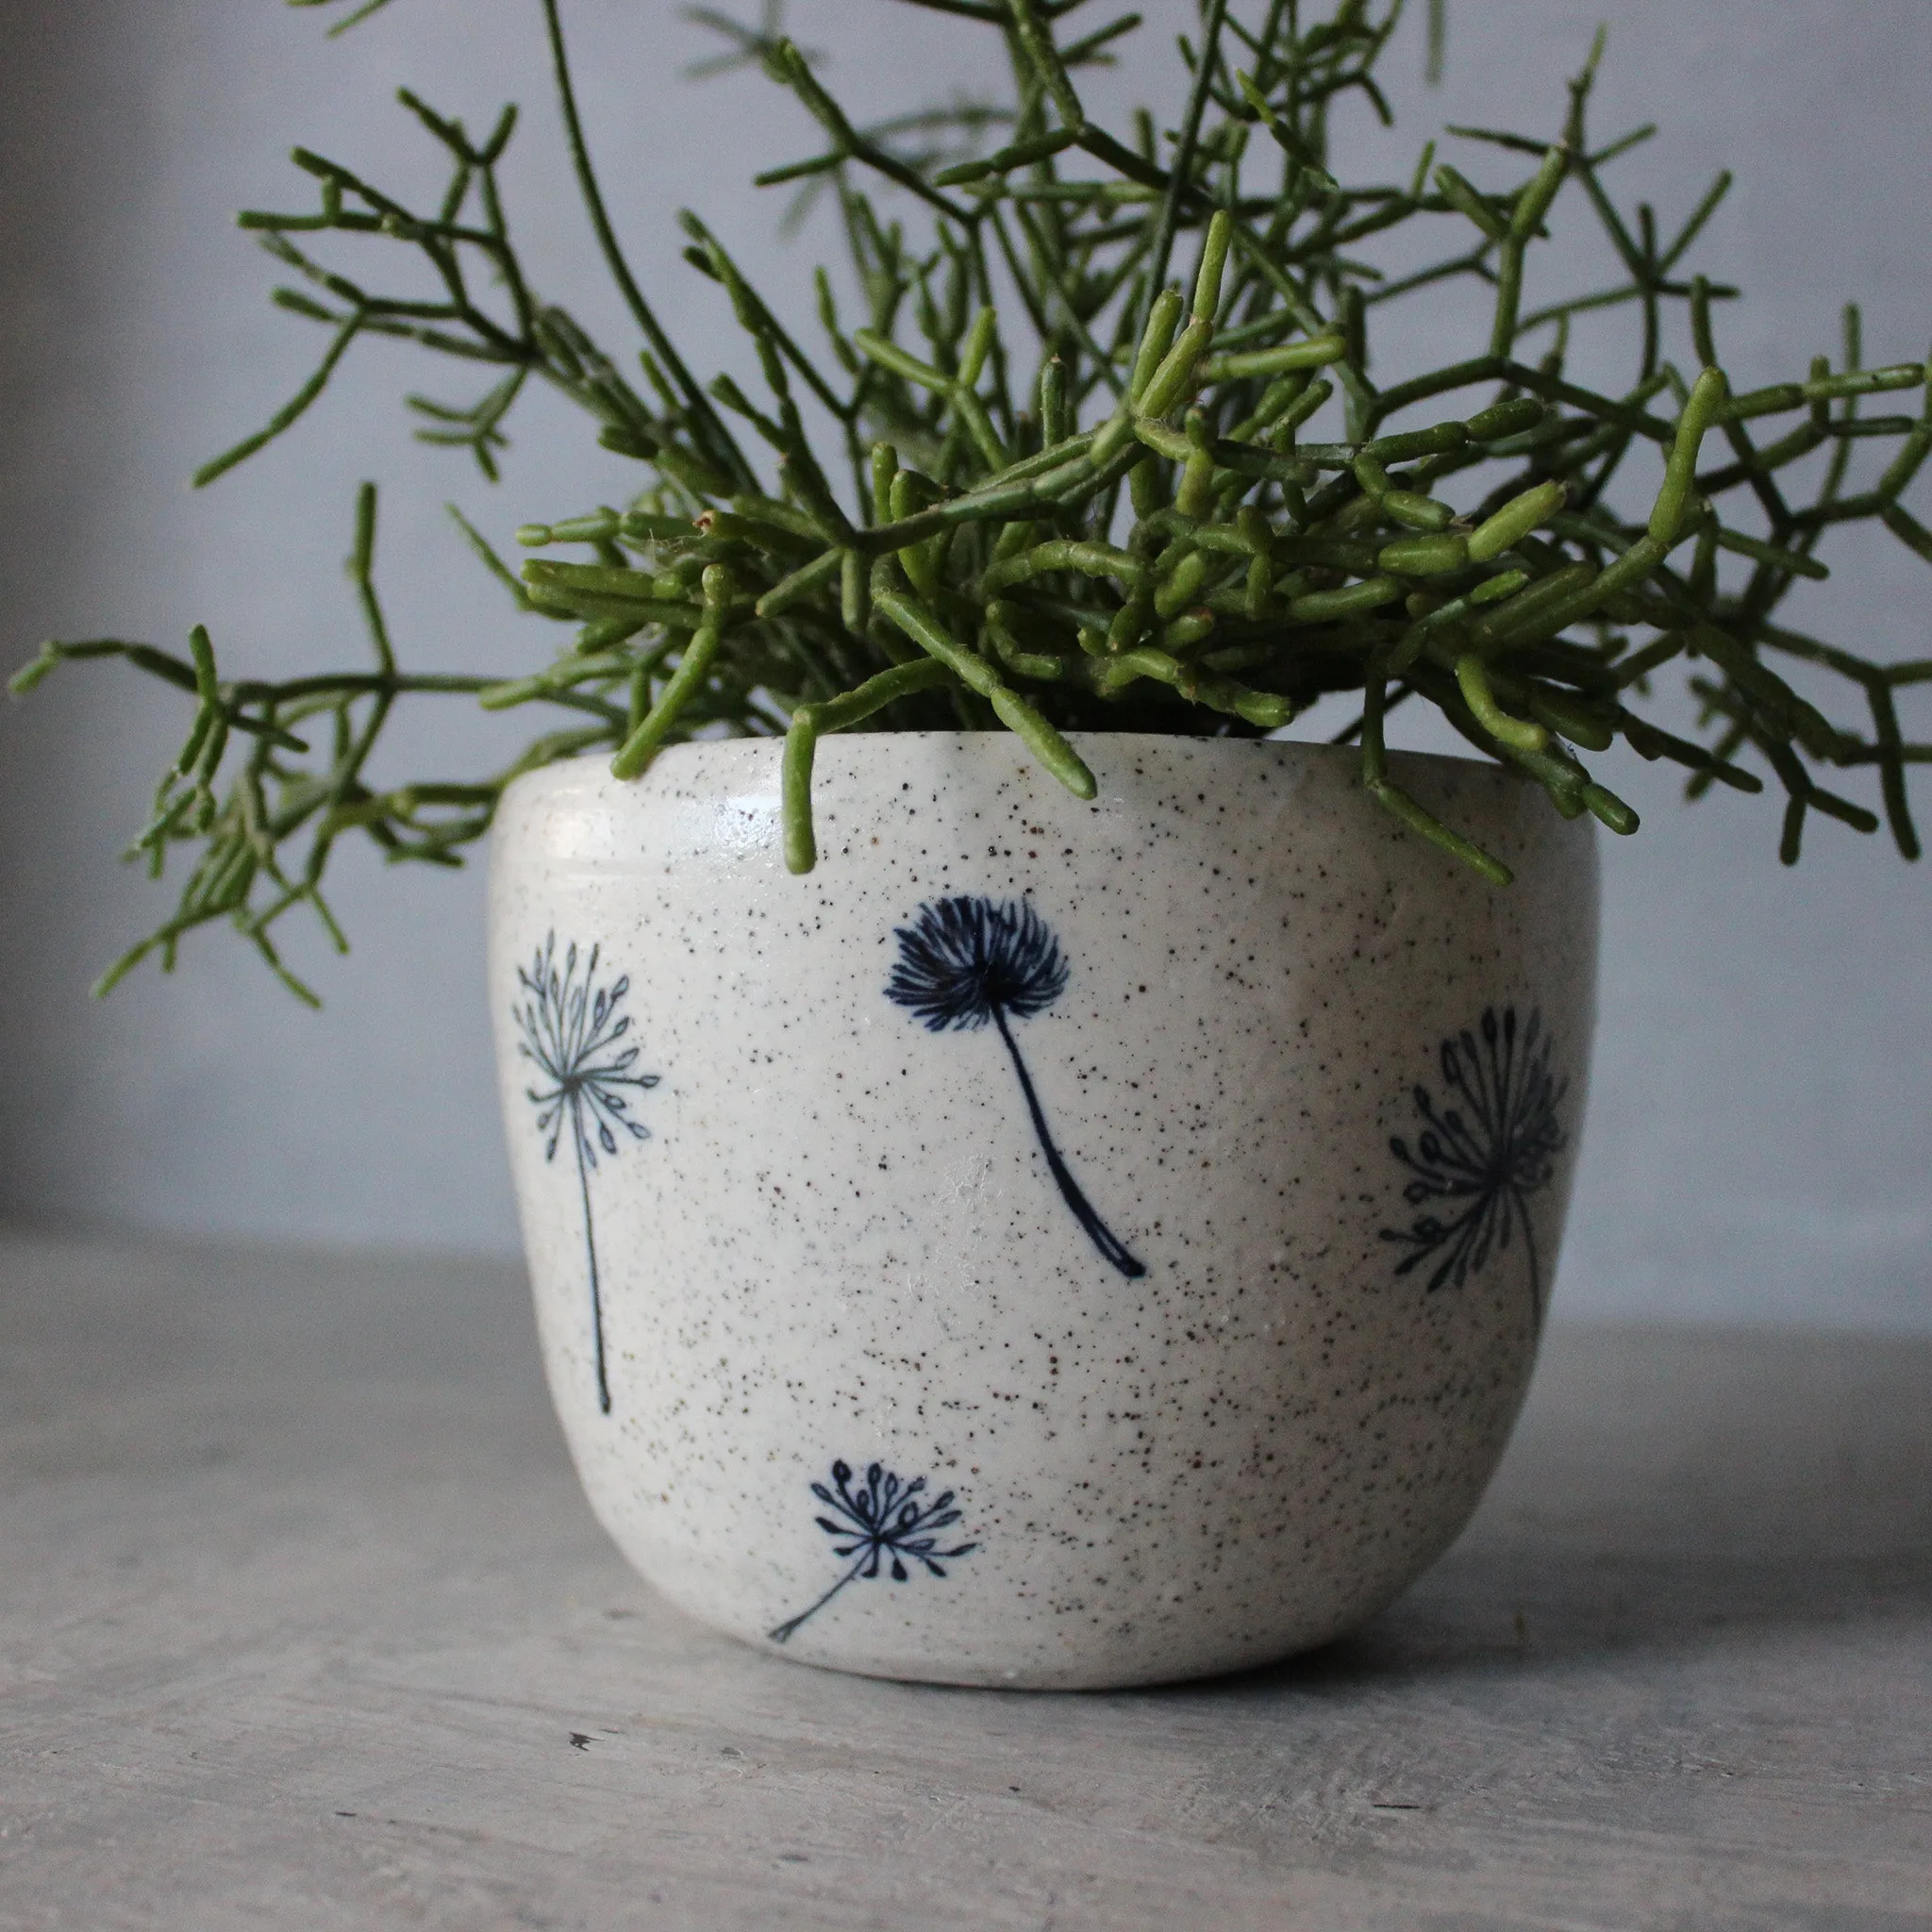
column 693, row 750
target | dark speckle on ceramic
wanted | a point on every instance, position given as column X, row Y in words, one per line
column 1154, row 1333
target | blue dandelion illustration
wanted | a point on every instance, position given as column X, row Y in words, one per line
column 885, row 1526
column 965, row 963
column 574, row 1035
column 1483, row 1154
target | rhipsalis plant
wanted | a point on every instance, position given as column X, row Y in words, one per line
column 1093, row 441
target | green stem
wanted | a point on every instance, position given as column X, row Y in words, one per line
column 723, row 447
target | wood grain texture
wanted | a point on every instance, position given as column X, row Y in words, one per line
column 304, row 1624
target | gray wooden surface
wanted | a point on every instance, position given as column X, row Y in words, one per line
column 303, row 1624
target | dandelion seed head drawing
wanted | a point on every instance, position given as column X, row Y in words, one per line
column 884, row 1522
column 963, row 961
column 570, row 1029
column 574, row 1035
column 1484, row 1153
column 969, row 963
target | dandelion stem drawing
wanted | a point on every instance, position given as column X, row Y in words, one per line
column 967, row 962
column 572, row 1034
column 1485, row 1156
column 882, row 1518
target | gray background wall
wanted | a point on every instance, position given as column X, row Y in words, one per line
column 1758, row 1135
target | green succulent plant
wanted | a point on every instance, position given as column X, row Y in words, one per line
column 1093, row 441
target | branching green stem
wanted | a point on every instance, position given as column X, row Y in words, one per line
column 1029, row 484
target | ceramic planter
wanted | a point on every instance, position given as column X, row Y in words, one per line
column 1049, row 1245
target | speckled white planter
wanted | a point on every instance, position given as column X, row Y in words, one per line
column 1050, row 1245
